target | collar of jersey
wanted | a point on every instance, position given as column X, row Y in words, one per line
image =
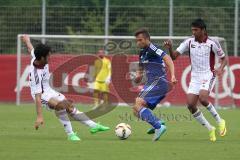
column 204, row 40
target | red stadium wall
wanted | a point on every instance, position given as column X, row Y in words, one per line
column 122, row 87
column 8, row 78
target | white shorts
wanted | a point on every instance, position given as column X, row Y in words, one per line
column 201, row 82
column 47, row 95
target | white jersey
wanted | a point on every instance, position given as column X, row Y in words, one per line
column 202, row 55
column 38, row 77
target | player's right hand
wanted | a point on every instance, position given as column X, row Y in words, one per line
column 167, row 44
column 138, row 76
column 38, row 122
column 138, row 79
column 25, row 38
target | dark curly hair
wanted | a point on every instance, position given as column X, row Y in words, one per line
column 41, row 50
column 199, row 23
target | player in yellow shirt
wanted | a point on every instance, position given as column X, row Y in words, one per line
column 102, row 76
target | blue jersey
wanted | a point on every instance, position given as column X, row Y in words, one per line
column 156, row 87
column 151, row 60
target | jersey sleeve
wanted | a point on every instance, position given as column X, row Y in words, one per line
column 184, row 47
column 217, row 49
column 35, row 81
column 157, row 51
column 32, row 53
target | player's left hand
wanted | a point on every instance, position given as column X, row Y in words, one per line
column 173, row 80
column 218, row 72
column 25, row 38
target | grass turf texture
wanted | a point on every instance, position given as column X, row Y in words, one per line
column 184, row 139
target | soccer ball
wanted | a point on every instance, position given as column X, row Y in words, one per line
column 123, row 131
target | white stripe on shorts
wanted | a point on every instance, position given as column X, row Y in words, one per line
column 149, row 88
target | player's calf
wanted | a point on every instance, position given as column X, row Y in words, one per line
column 192, row 108
column 139, row 104
column 197, row 114
column 192, row 101
column 81, row 117
column 145, row 114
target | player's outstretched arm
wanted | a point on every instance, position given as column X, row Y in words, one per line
column 27, row 41
column 173, row 54
column 168, row 61
column 39, row 120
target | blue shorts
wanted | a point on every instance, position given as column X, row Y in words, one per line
column 154, row 91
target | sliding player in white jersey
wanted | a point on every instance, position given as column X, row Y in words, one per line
column 43, row 94
column 202, row 51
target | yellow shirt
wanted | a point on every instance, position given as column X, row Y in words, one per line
column 102, row 69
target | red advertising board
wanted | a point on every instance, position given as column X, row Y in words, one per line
column 71, row 75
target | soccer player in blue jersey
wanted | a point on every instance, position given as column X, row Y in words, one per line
column 152, row 62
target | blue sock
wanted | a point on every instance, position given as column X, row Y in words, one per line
column 147, row 116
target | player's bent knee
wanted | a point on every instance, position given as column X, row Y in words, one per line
column 65, row 104
column 70, row 106
column 203, row 100
column 61, row 105
column 140, row 102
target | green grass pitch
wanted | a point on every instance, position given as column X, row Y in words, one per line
column 185, row 138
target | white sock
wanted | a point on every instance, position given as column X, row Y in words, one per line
column 214, row 113
column 202, row 120
column 63, row 118
column 83, row 118
column 89, row 123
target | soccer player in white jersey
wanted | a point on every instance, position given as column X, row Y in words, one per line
column 202, row 51
column 43, row 94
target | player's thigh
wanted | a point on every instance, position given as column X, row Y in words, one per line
column 203, row 96
column 97, row 86
column 207, row 83
column 104, row 87
column 154, row 93
column 53, row 98
column 194, row 86
column 152, row 102
column 192, row 100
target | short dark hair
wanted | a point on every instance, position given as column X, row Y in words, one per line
column 199, row 23
column 41, row 50
column 143, row 31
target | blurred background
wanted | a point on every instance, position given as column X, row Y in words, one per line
column 72, row 64
column 114, row 17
